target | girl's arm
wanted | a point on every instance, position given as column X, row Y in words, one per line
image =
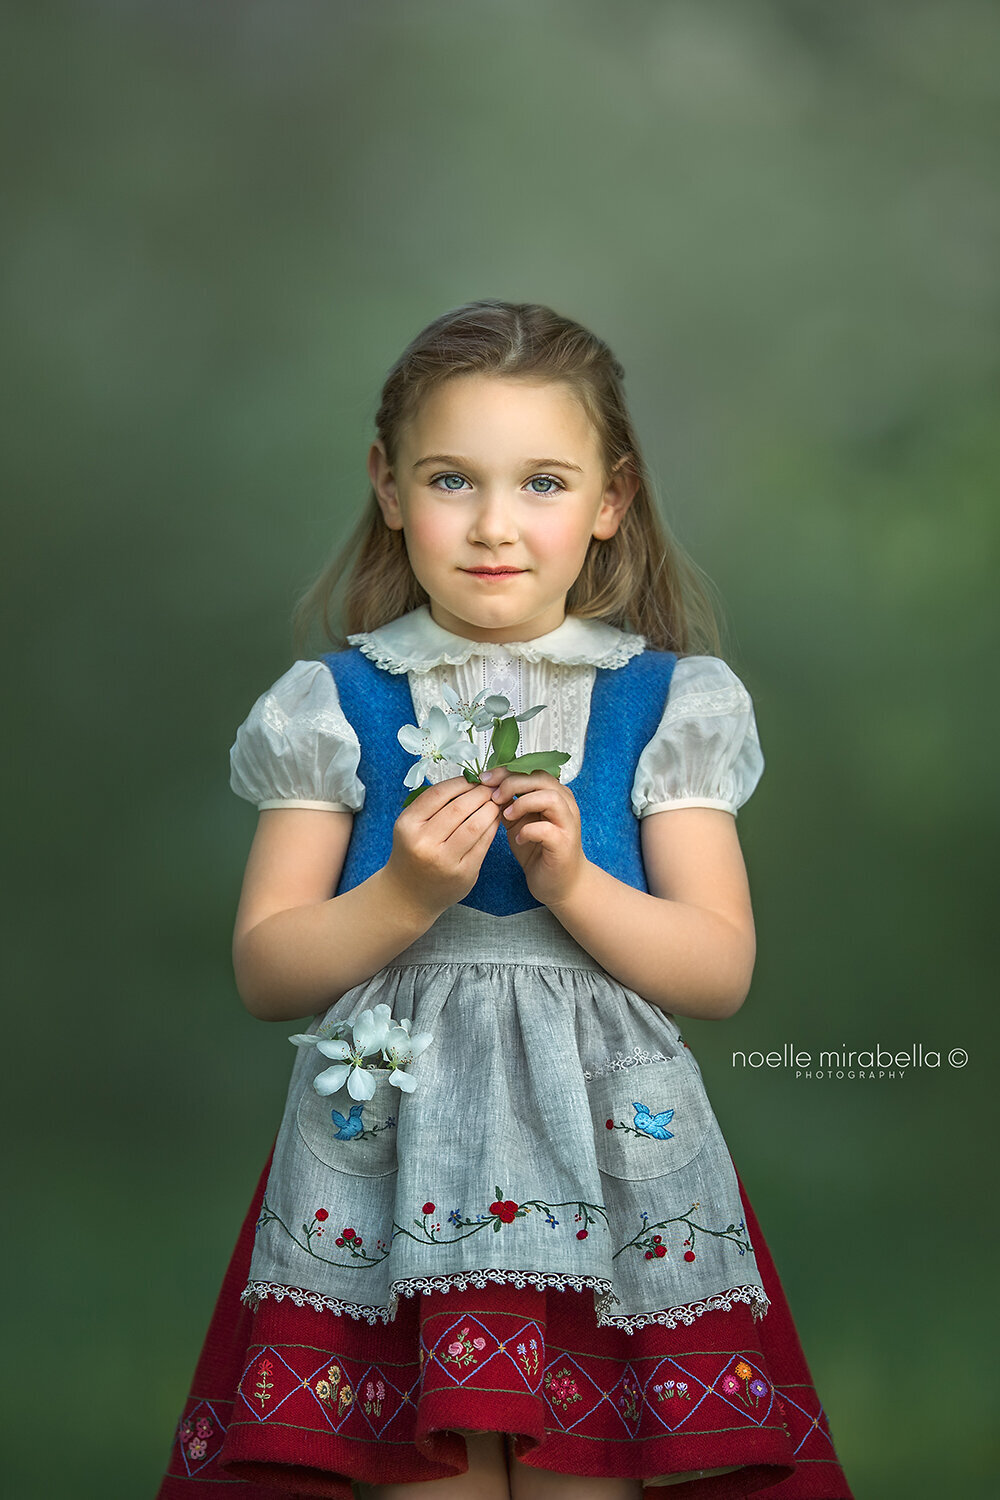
column 296, row 948
column 688, row 946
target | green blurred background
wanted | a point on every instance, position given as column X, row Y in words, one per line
column 224, row 221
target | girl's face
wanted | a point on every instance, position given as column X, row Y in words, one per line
column 495, row 473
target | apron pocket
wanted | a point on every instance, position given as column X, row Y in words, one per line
column 650, row 1119
column 357, row 1136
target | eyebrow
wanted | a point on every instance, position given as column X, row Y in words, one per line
column 529, row 463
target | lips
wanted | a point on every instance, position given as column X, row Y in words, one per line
column 493, row 572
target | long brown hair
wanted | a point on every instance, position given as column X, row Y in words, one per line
column 639, row 579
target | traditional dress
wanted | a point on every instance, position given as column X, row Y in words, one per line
column 547, row 1237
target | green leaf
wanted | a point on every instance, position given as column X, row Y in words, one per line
column 496, row 1225
column 415, row 793
column 503, row 743
column 470, row 776
column 539, row 760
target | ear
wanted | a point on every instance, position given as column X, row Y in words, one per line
column 384, row 484
column 619, row 493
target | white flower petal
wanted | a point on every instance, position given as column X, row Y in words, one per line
column 437, row 726
column 403, row 1081
column 396, row 1039
column 361, row 1083
column 303, row 1039
column 416, row 774
column 331, row 1079
column 419, row 1042
column 411, row 738
column 369, row 1031
column 497, row 705
column 339, row 1050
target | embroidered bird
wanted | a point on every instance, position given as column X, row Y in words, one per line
column 350, row 1126
column 655, row 1125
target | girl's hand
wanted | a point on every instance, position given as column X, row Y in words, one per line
column 439, row 842
column 543, row 826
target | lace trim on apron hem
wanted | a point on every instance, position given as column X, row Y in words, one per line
column 256, row 1291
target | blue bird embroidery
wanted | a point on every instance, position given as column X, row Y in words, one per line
column 655, row 1125
column 350, row 1126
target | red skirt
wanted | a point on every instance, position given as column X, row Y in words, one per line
column 298, row 1401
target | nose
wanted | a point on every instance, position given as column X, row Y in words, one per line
column 493, row 523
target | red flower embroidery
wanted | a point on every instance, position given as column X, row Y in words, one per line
column 581, row 1234
column 504, row 1210
column 609, row 1124
column 321, row 1214
column 689, row 1255
column 348, row 1234
column 428, row 1208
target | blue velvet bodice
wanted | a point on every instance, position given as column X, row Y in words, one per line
column 625, row 709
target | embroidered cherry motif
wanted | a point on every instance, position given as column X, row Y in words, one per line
column 689, row 1255
column 321, row 1214
column 581, row 1234
column 348, row 1234
column 428, row 1208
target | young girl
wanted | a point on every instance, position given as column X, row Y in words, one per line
column 509, row 1254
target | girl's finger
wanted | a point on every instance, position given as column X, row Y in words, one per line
column 468, row 833
column 435, row 796
column 537, row 801
column 451, row 814
column 533, row 833
column 515, row 783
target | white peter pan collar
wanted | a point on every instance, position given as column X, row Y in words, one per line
column 415, row 642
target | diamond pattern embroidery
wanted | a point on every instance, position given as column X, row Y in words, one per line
column 200, row 1434
column 466, row 1346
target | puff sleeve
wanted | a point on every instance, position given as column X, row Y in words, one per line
column 705, row 752
column 295, row 748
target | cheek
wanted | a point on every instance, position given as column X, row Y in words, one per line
column 561, row 539
column 431, row 532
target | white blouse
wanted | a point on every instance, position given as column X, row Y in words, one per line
column 296, row 748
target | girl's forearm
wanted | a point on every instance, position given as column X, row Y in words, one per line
column 296, row 963
column 684, row 959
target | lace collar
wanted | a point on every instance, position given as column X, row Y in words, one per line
column 415, row 642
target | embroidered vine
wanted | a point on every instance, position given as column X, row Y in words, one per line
column 348, row 1239
column 652, row 1245
column 501, row 1211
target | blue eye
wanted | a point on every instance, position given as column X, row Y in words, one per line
column 549, row 479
